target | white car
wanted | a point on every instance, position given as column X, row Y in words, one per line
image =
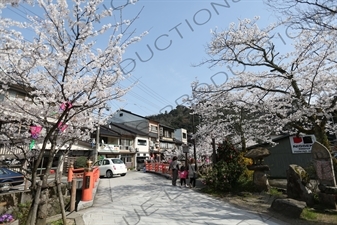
column 110, row 167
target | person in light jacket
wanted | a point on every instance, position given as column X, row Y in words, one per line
column 192, row 173
column 174, row 167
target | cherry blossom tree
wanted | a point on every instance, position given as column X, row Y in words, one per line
column 306, row 14
column 286, row 92
column 69, row 70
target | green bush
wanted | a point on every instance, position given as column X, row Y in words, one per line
column 229, row 173
column 20, row 212
column 80, row 162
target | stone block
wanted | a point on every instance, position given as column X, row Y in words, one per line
column 327, row 200
column 289, row 207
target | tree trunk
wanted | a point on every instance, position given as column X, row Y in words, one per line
column 58, row 176
column 322, row 136
column 38, row 212
column 42, row 212
column 35, row 204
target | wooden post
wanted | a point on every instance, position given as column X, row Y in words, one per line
column 73, row 195
column 73, row 187
column 87, row 185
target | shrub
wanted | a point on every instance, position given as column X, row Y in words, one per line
column 80, row 162
column 21, row 211
column 229, row 173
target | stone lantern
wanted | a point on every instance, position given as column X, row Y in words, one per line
column 259, row 177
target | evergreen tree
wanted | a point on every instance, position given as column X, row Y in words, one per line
column 228, row 169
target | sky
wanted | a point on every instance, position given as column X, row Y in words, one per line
column 183, row 28
column 163, row 63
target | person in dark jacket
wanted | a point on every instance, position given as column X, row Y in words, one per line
column 174, row 167
column 192, row 174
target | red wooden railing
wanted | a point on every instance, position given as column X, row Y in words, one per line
column 89, row 175
column 162, row 168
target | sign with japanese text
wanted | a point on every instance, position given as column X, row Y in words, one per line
column 302, row 144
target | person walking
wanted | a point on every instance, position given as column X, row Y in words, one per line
column 192, row 174
column 174, row 167
column 183, row 176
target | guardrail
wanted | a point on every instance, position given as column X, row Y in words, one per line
column 162, row 168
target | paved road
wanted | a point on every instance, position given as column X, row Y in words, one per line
column 146, row 199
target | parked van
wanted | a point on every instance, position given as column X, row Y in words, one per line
column 141, row 162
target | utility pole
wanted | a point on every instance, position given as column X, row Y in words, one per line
column 98, row 132
column 214, row 151
column 194, row 148
column 97, row 143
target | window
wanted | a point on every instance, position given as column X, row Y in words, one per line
column 117, row 161
column 103, row 140
column 184, row 135
column 141, row 142
column 11, row 94
column 163, row 145
column 170, row 145
column 161, row 131
column 126, row 159
column 106, row 162
column 126, row 142
column 154, row 129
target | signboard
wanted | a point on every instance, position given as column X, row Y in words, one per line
column 186, row 149
column 302, row 144
column 109, row 149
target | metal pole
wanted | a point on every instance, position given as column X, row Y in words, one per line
column 97, row 137
column 97, row 144
column 194, row 148
column 214, row 151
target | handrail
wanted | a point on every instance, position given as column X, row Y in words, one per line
column 75, row 173
column 78, row 173
column 162, row 168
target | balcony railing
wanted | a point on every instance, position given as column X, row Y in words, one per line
column 109, row 148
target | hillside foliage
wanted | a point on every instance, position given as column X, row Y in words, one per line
column 180, row 117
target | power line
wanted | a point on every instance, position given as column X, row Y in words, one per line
column 141, row 86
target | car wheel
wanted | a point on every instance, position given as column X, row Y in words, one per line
column 109, row 174
column 123, row 174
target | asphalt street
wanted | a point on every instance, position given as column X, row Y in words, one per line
column 144, row 199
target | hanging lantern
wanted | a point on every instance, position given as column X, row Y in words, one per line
column 35, row 131
column 61, row 126
column 32, row 144
column 65, row 105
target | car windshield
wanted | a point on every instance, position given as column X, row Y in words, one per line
column 98, row 163
column 117, row 161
